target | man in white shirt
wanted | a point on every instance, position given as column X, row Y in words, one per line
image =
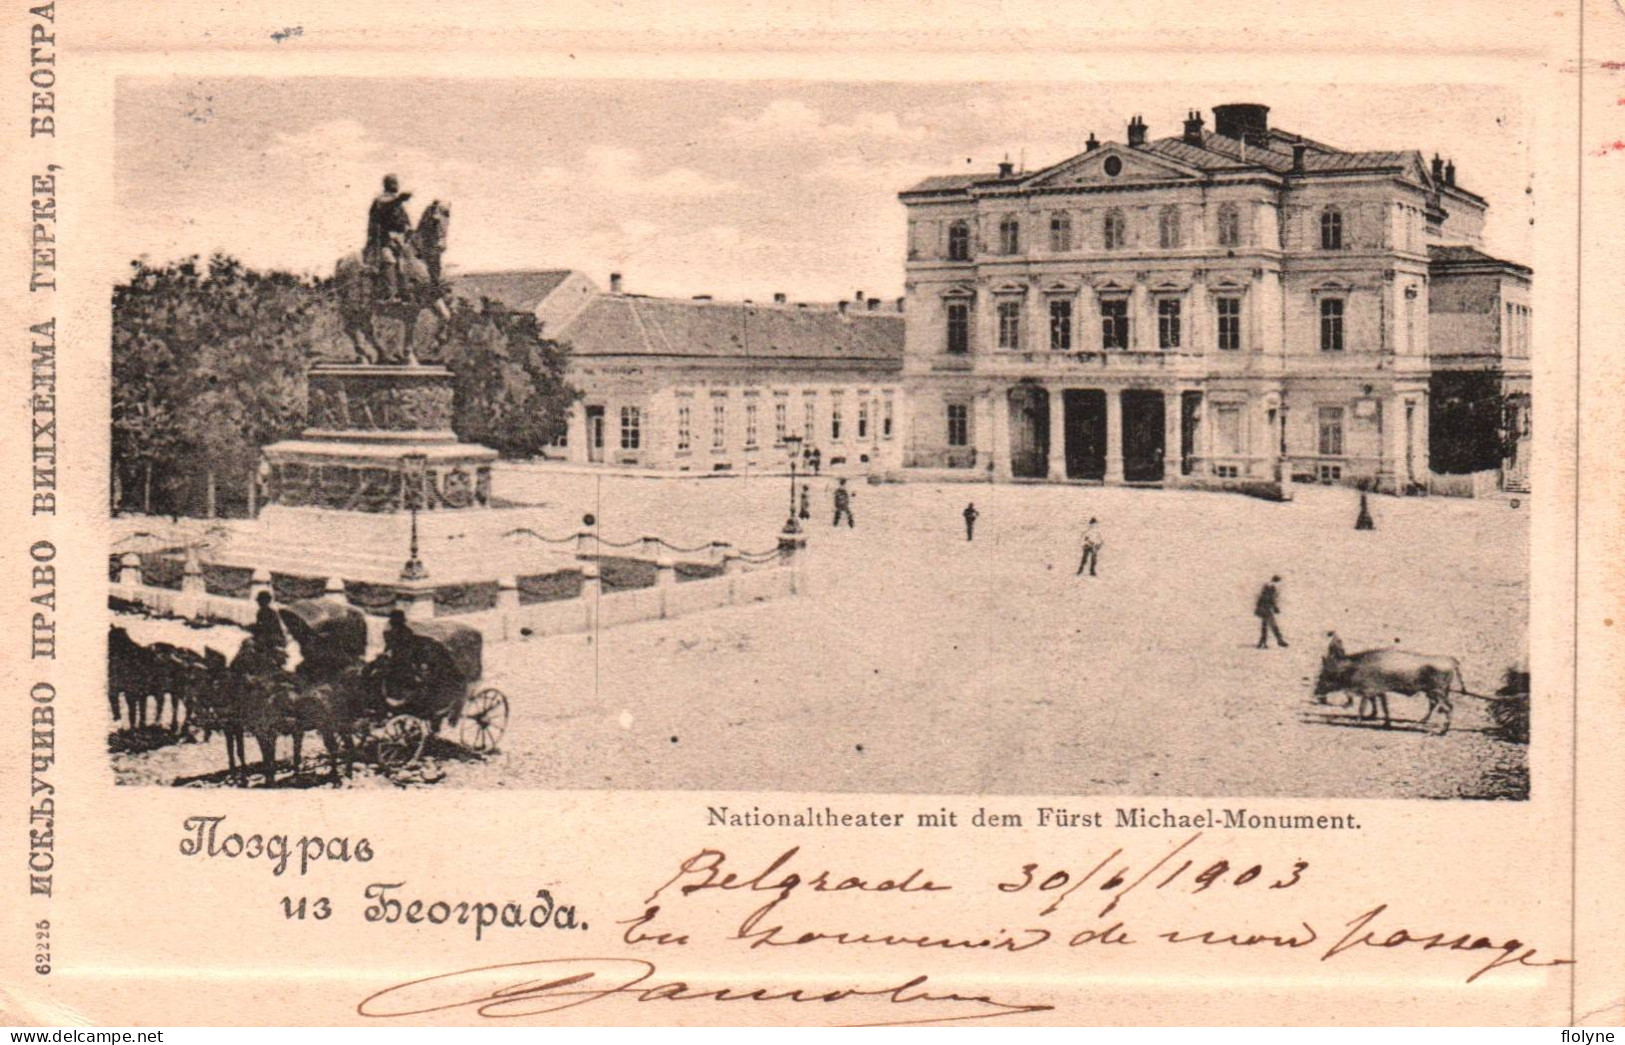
column 1092, row 543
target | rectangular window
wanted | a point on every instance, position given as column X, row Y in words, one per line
column 1114, row 323
column 631, row 427
column 1060, row 232
column 1331, row 324
column 719, row 425
column 886, row 419
column 781, row 422
column 685, row 427
column 1060, row 326
column 1229, row 324
column 1010, row 236
column 863, row 419
column 958, row 328
column 1010, row 324
column 809, row 418
column 958, row 424
column 835, row 419
column 1331, row 431
column 750, row 425
column 1168, row 314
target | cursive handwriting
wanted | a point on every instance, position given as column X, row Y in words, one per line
column 518, row 989
column 1512, row 952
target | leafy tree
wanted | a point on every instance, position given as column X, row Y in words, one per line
column 510, row 393
column 208, row 365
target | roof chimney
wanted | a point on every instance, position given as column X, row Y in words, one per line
column 780, row 298
column 1239, row 119
column 857, row 296
column 702, row 297
column 1092, row 144
column 1438, row 168
column 873, row 304
column 900, row 303
column 1297, row 155
column 1006, row 168
column 1450, row 172
column 1136, row 133
column 842, row 306
column 1193, row 128
column 614, row 282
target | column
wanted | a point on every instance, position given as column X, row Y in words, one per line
column 1057, row 434
column 1142, row 326
column 576, row 433
column 982, row 423
column 1114, row 435
column 1001, row 433
column 1173, row 404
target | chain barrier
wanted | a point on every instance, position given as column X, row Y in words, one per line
column 528, row 532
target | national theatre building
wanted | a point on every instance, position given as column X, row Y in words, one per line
column 1224, row 307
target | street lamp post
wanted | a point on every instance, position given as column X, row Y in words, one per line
column 792, row 443
column 414, row 470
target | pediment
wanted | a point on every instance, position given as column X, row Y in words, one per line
column 1009, row 287
column 960, row 291
column 1133, row 166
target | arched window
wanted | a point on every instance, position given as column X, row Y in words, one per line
column 959, row 241
column 1168, row 227
column 1112, row 229
column 1009, row 235
column 1229, row 226
column 1331, row 229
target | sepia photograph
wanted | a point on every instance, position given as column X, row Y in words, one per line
column 1064, row 439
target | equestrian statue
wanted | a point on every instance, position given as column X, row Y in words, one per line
column 396, row 276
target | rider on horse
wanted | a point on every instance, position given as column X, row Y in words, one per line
column 389, row 229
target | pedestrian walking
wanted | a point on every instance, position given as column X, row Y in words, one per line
column 817, row 461
column 843, row 505
column 1092, row 543
column 806, row 503
column 971, row 515
column 1266, row 609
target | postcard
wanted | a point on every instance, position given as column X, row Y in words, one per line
column 857, row 515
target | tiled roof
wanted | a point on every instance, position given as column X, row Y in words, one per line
column 1453, row 256
column 615, row 324
column 951, row 182
column 521, row 290
column 1221, row 154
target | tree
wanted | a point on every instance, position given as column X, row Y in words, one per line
column 208, row 366
column 510, row 389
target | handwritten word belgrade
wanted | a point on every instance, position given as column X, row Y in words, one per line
column 1112, row 879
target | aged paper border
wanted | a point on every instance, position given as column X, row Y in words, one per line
column 193, row 38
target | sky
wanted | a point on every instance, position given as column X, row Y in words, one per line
column 738, row 189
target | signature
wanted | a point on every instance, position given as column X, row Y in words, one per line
column 546, row 985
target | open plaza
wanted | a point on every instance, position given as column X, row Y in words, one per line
column 914, row 661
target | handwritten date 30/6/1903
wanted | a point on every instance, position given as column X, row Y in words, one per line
column 556, row 983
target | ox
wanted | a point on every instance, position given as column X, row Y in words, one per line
column 1374, row 674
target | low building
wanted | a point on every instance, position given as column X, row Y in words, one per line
column 1225, row 307
column 698, row 385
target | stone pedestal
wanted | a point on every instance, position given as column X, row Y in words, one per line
column 378, row 443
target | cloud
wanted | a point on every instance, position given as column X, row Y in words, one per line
column 617, row 170
column 794, row 120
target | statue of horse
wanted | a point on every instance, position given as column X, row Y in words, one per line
column 420, row 290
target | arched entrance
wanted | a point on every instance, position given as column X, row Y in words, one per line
column 1029, row 432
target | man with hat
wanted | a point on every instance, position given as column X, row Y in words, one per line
column 1266, row 609
column 388, row 225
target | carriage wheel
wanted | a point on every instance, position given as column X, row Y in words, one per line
column 401, row 741
column 484, row 720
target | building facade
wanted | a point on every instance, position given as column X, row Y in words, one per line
column 1227, row 307
column 704, row 386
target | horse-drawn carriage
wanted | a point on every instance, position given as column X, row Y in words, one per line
column 382, row 710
